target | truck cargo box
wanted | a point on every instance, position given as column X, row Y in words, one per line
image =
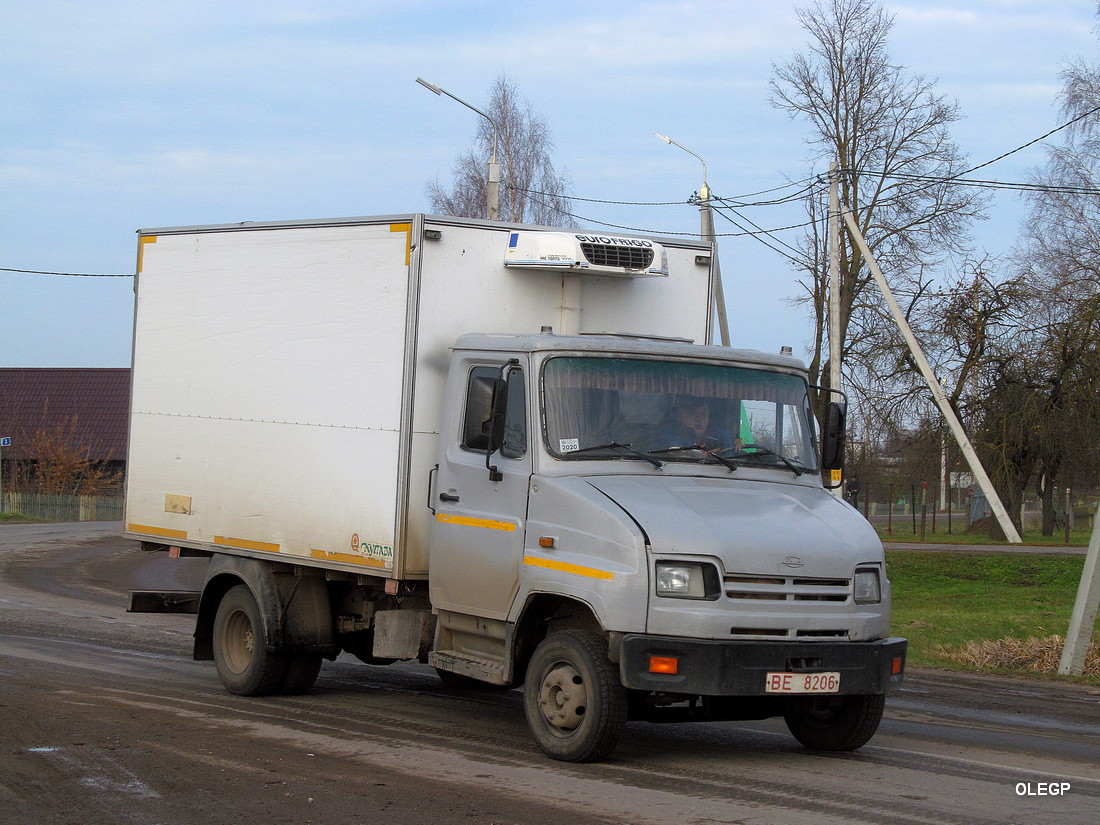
column 288, row 377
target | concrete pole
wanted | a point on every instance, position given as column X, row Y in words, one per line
column 938, row 394
column 836, row 345
column 1083, row 619
column 707, row 234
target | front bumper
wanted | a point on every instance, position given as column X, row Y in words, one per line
column 737, row 668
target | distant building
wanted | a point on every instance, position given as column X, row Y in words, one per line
column 86, row 408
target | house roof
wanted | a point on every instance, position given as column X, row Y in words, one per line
column 91, row 403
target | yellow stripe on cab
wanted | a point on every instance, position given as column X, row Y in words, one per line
column 466, row 521
column 565, row 567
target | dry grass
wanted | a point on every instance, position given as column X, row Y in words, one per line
column 1033, row 655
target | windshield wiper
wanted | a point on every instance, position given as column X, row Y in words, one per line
column 753, row 452
column 617, row 446
column 725, row 462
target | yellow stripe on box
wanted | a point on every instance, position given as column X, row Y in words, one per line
column 163, row 532
column 407, row 229
column 575, row 569
column 246, row 544
column 141, row 250
column 465, row 521
column 349, row 558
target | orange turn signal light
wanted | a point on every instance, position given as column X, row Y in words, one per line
column 896, row 665
column 546, row 541
column 669, row 665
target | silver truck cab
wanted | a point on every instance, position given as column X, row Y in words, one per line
column 638, row 528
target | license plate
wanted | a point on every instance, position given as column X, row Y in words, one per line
column 802, row 683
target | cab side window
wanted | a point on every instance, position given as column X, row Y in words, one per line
column 479, row 401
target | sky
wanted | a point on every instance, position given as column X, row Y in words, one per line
column 117, row 116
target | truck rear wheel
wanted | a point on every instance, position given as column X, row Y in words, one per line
column 575, row 703
column 835, row 723
column 301, row 673
column 245, row 666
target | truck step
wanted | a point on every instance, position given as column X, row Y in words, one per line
column 484, row 670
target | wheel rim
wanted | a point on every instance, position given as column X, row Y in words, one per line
column 563, row 698
column 240, row 641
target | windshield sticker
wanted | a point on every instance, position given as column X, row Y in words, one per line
column 568, row 445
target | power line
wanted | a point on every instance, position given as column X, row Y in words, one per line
column 741, row 234
column 1031, row 142
column 759, row 233
column 1017, row 186
column 738, row 200
column 600, row 200
column 67, row 274
column 958, row 178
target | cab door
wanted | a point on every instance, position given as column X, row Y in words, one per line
column 480, row 500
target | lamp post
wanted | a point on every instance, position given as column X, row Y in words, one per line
column 706, row 232
column 492, row 193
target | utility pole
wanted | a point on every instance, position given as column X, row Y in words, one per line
column 836, row 345
column 706, row 233
column 492, row 191
column 1085, row 608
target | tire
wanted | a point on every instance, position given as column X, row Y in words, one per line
column 575, row 703
column 245, row 666
column 301, row 673
column 835, row 723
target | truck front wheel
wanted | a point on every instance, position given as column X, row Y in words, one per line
column 575, row 703
column 835, row 723
column 245, row 665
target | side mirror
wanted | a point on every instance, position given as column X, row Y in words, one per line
column 833, row 437
column 494, row 427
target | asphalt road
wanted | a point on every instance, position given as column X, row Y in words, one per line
column 104, row 718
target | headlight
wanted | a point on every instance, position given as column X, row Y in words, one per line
column 865, row 587
column 687, row 580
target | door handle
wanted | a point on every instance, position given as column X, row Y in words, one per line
column 447, row 497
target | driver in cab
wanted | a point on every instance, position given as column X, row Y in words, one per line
column 688, row 424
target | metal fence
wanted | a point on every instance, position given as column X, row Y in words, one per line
column 906, row 507
column 62, row 508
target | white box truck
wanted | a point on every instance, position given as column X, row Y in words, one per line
column 506, row 451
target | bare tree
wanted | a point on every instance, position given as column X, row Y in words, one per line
column 1055, row 358
column 889, row 133
column 532, row 190
column 59, row 461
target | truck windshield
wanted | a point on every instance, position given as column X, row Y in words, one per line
column 645, row 409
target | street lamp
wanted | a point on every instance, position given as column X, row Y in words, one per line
column 706, row 232
column 492, row 193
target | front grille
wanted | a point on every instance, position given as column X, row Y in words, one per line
column 627, row 257
column 787, row 589
column 746, row 589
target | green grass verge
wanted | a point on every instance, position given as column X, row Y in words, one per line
column 946, row 599
column 904, row 532
column 16, row 517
